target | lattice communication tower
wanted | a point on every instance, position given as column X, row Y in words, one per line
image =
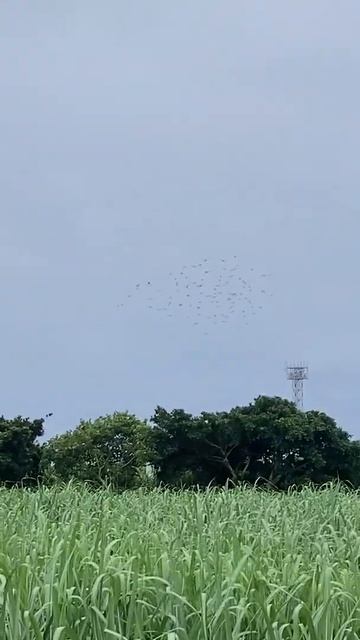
column 297, row 373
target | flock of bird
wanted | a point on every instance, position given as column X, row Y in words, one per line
column 209, row 292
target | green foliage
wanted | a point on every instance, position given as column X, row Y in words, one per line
column 267, row 441
column 165, row 565
column 111, row 449
column 19, row 450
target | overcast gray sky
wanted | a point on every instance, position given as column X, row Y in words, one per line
column 137, row 137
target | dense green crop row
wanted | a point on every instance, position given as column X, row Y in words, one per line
column 218, row 565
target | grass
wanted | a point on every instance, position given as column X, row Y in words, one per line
column 220, row 565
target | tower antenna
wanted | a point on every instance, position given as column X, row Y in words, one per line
column 297, row 373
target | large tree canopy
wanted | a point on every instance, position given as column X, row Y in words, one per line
column 267, row 441
column 19, row 450
column 113, row 448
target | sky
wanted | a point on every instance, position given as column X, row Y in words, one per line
column 141, row 137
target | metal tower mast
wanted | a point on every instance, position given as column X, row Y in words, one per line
column 297, row 374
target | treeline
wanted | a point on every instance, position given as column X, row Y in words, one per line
column 266, row 442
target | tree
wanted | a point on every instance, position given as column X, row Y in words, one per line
column 19, row 450
column 269, row 441
column 113, row 448
column 331, row 453
column 176, row 437
column 217, row 447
